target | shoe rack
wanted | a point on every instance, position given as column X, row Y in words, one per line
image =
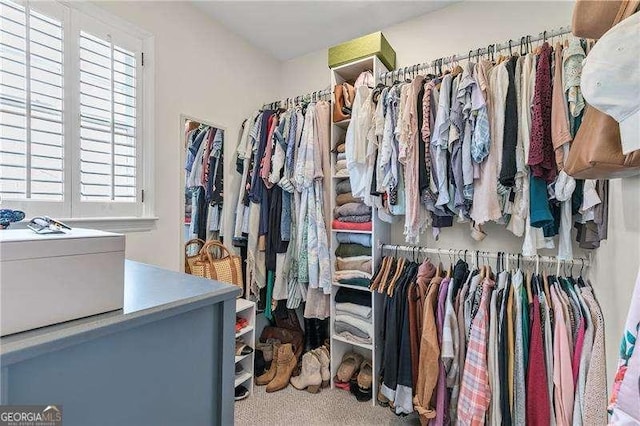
column 246, row 309
column 380, row 233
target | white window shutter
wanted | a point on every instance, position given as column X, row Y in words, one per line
column 31, row 105
column 108, row 121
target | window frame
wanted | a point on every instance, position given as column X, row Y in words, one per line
column 135, row 216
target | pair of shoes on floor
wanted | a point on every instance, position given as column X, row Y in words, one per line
column 241, row 393
column 314, row 373
column 277, row 376
column 357, row 372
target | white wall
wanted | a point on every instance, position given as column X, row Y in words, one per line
column 203, row 71
column 470, row 25
column 457, row 28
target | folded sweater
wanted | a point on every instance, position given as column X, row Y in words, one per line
column 350, row 273
column 362, row 328
column 345, row 198
column 359, row 263
column 352, row 209
column 353, row 226
column 358, row 297
column 346, row 237
column 353, row 338
column 355, row 218
column 350, row 250
column 343, row 187
column 359, row 311
column 360, row 282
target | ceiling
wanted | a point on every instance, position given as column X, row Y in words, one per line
column 287, row 29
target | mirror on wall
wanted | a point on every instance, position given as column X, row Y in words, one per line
column 203, row 182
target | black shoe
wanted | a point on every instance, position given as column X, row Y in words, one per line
column 241, row 393
column 309, row 334
column 242, row 349
column 319, row 332
column 360, row 394
column 259, row 364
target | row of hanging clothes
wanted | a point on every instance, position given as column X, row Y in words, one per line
column 477, row 142
column 468, row 344
column 204, row 180
column 280, row 218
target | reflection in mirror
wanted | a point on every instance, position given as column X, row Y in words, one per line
column 204, row 179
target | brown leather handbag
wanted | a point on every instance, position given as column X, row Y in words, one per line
column 344, row 95
column 596, row 151
column 593, row 18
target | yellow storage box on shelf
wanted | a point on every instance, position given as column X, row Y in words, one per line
column 361, row 47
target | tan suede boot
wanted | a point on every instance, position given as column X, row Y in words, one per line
column 271, row 372
column 323, row 356
column 286, row 361
column 310, row 377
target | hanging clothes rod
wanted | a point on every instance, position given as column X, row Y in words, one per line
column 313, row 96
column 584, row 262
column 492, row 48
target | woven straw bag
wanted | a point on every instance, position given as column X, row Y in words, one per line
column 192, row 253
column 217, row 263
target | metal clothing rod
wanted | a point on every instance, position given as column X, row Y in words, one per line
column 313, row 96
column 484, row 254
column 492, row 48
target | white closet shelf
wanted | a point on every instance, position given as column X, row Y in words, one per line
column 243, row 305
column 351, row 70
column 247, row 310
column 241, row 357
column 243, row 377
column 244, row 331
column 351, row 231
column 354, row 287
column 380, row 232
column 349, row 342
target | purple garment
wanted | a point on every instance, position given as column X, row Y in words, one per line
column 442, row 398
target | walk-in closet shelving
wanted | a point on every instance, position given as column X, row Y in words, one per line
column 379, row 233
column 246, row 309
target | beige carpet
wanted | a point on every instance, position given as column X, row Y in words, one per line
column 292, row 407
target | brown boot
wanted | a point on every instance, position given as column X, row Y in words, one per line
column 286, row 361
column 271, row 372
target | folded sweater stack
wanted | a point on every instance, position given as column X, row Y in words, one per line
column 355, row 270
column 341, row 161
column 353, row 315
column 351, row 213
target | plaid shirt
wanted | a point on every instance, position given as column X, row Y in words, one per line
column 475, row 394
